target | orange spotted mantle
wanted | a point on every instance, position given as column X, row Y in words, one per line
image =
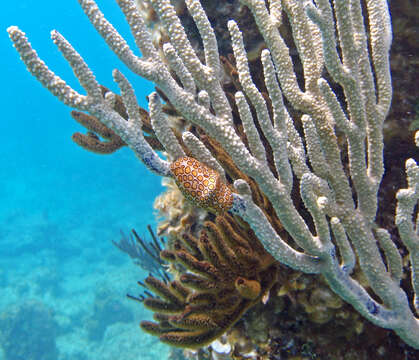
column 201, row 185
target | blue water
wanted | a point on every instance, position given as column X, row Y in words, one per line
column 61, row 279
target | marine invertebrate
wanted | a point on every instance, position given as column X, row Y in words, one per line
column 91, row 140
column 96, row 130
column 201, row 185
column 144, row 253
column 220, row 276
column 29, row 331
column 175, row 212
column 334, row 165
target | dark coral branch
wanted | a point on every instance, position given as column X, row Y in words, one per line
column 91, row 141
column 222, row 274
column 145, row 254
column 112, row 142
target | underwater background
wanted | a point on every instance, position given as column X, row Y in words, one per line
column 63, row 283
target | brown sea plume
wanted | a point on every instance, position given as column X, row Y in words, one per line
column 219, row 276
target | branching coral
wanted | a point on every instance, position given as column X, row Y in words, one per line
column 145, row 254
column 321, row 181
column 223, row 273
column 97, row 130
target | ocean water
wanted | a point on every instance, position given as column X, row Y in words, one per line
column 63, row 284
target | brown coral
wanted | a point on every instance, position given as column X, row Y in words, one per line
column 111, row 141
column 91, row 141
column 223, row 273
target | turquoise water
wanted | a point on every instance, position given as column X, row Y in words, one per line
column 63, row 283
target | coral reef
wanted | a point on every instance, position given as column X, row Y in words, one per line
column 305, row 320
column 292, row 138
column 106, row 311
column 28, row 331
column 47, row 279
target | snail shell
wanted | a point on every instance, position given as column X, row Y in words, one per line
column 201, row 185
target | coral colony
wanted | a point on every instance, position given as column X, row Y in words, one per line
column 282, row 168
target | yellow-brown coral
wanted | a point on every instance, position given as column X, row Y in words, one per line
column 225, row 272
column 91, row 141
column 110, row 142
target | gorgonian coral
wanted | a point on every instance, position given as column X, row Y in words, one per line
column 220, row 276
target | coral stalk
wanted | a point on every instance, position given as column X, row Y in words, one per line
column 348, row 42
